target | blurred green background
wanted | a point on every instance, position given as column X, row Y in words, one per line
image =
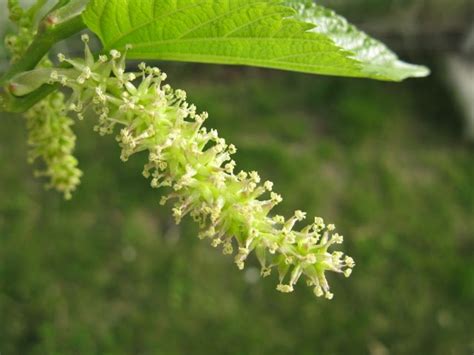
column 110, row 273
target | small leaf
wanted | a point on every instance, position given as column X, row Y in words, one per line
column 260, row 33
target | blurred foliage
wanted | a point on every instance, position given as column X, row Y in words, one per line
column 109, row 273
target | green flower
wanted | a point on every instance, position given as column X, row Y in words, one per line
column 51, row 140
column 195, row 165
column 24, row 20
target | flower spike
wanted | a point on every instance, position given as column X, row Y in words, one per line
column 195, row 164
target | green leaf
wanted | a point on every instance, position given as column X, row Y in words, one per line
column 260, row 33
column 377, row 61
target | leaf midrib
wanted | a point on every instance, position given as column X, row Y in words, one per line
column 232, row 60
column 219, row 39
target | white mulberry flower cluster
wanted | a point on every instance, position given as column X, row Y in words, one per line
column 52, row 140
column 196, row 166
column 24, row 20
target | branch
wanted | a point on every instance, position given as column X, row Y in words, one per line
column 15, row 104
column 42, row 43
column 61, row 23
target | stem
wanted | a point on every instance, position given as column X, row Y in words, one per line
column 41, row 45
column 11, row 103
column 62, row 22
